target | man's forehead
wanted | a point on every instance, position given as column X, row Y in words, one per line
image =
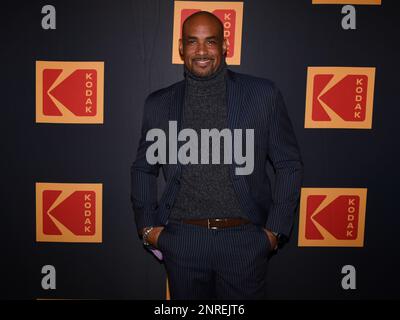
column 201, row 29
column 201, row 24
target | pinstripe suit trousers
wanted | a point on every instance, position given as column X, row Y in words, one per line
column 201, row 263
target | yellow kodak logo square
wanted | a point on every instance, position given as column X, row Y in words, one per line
column 339, row 97
column 332, row 217
column 68, row 212
column 69, row 92
column 354, row 2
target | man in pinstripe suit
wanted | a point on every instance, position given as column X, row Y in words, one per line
column 215, row 229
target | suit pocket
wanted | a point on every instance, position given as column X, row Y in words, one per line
column 266, row 242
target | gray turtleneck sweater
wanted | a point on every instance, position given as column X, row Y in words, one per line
column 206, row 190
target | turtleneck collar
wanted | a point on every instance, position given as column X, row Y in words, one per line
column 206, row 85
column 191, row 76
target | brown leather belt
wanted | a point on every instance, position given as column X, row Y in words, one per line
column 217, row 223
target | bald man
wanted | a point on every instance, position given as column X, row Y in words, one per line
column 216, row 229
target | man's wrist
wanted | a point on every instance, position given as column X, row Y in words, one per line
column 281, row 239
column 146, row 232
column 275, row 234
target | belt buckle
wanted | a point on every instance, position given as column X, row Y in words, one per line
column 208, row 226
column 216, row 219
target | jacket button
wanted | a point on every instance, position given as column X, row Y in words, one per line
column 168, row 206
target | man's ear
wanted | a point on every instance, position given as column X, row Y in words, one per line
column 181, row 47
column 224, row 47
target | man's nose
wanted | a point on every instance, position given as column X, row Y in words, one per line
column 201, row 49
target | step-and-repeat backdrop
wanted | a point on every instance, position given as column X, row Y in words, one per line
column 75, row 75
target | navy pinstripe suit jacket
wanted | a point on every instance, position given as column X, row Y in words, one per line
column 252, row 103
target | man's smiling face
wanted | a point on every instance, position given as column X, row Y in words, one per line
column 202, row 46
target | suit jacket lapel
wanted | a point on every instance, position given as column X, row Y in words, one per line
column 235, row 106
column 234, row 100
column 176, row 105
column 176, row 114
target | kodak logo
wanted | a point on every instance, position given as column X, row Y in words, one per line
column 339, row 97
column 68, row 212
column 332, row 217
column 69, row 92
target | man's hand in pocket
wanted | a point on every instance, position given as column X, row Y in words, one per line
column 152, row 237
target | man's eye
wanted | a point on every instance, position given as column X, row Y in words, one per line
column 212, row 42
column 191, row 41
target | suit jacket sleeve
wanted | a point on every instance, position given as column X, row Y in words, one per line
column 286, row 160
column 144, row 176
